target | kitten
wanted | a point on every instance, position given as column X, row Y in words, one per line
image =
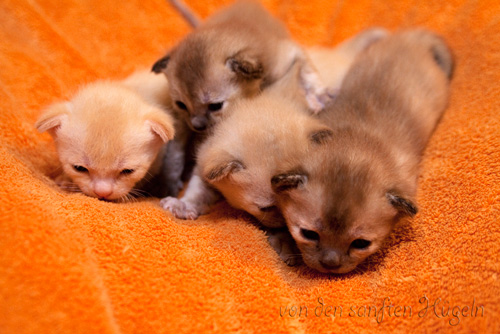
column 108, row 138
column 343, row 199
column 240, row 157
column 234, row 54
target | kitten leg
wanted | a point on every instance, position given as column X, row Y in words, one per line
column 282, row 242
column 66, row 183
column 168, row 181
column 195, row 201
column 316, row 93
column 63, row 180
column 174, row 167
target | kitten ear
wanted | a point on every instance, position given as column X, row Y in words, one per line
column 162, row 124
column 245, row 66
column 161, row 64
column 288, row 181
column 403, row 205
column 321, row 135
column 223, row 170
column 53, row 117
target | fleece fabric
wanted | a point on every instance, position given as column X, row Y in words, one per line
column 73, row 264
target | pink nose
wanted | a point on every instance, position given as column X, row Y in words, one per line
column 103, row 189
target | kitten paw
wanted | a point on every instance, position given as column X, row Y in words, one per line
column 179, row 208
column 282, row 242
column 66, row 184
column 318, row 100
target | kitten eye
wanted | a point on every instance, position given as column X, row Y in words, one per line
column 80, row 169
column 268, row 208
column 360, row 244
column 181, row 105
column 308, row 234
column 215, row 106
column 126, row 171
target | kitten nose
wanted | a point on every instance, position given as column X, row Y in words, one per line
column 199, row 123
column 103, row 189
column 330, row 260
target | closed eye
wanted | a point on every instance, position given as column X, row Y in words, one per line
column 360, row 244
column 268, row 208
column 126, row 171
column 80, row 169
column 310, row 235
column 215, row 106
column 181, row 105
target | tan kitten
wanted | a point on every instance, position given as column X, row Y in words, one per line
column 343, row 199
column 108, row 138
column 234, row 54
column 239, row 159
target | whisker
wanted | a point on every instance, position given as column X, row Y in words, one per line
column 148, row 176
column 139, row 192
column 72, row 187
column 123, row 199
column 130, row 198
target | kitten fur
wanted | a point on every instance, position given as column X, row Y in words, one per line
column 343, row 200
column 267, row 120
column 234, row 54
column 108, row 138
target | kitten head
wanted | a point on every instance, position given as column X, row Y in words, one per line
column 107, row 138
column 241, row 155
column 342, row 203
column 206, row 76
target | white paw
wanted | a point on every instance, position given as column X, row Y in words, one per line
column 317, row 100
column 179, row 208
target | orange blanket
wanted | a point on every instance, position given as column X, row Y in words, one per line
column 73, row 264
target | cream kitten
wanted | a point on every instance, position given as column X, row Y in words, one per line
column 234, row 54
column 109, row 138
column 343, row 199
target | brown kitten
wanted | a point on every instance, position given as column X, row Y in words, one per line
column 108, row 138
column 344, row 198
column 234, row 54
